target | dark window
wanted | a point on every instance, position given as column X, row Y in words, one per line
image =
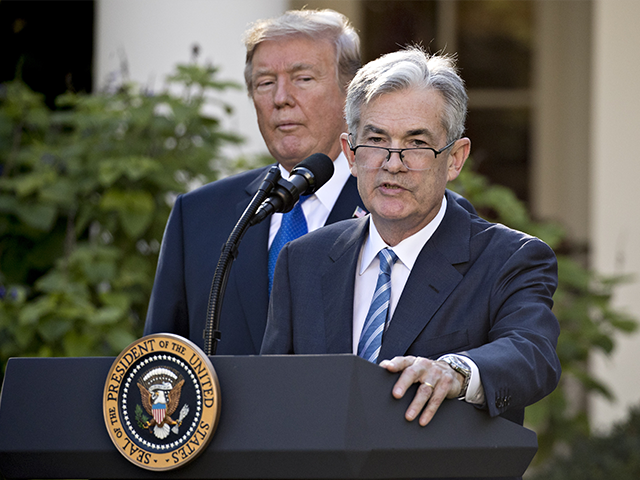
column 391, row 25
column 494, row 43
column 48, row 44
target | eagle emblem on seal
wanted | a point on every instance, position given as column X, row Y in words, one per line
column 160, row 389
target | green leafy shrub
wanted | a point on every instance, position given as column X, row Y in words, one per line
column 600, row 457
column 85, row 192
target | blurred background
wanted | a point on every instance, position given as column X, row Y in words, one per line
column 554, row 109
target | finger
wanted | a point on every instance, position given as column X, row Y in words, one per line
column 423, row 394
column 398, row 363
column 408, row 377
column 436, row 399
column 440, row 392
column 415, row 370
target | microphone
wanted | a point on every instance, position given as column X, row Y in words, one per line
column 306, row 177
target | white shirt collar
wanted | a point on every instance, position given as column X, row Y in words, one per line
column 408, row 249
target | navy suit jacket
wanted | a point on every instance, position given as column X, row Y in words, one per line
column 476, row 287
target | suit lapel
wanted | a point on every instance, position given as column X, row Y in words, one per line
column 253, row 257
column 430, row 283
column 253, row 289
column 337, row 287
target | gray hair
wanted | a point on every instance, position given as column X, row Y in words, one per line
column 317, row 24
column 411, row 67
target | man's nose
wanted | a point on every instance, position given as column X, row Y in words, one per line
column 394, row 163
column 283, row 94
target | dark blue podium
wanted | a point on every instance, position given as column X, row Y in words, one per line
column 283, row 417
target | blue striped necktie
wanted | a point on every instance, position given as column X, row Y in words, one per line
column 374, row 325
column 293, row 225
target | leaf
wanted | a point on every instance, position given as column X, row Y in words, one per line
column 53, row 281
column 37, row 215
column 62, row 192
column 106, row 316
column 8, row 204
column 120, row 300
column 31, row 182
column 79, row 344
column 133, row 168
column 135, row 209
column 24, row 336
column 35, row 310
column 54, row 328
column 120, row 339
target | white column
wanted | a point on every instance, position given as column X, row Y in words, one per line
column 155, row 35
column 560, row 167
column 615, row 199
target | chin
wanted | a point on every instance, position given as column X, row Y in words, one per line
column 391, row 210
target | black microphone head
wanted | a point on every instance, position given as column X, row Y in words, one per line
column 321, row 168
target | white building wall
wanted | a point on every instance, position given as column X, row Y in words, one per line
column 615, row 176
column 155, row 35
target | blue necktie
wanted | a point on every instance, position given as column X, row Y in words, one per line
column 293, row 225
column 371, row 337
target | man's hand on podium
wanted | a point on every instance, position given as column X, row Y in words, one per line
column 437, row 381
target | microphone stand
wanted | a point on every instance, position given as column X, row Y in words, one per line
column 229, row 253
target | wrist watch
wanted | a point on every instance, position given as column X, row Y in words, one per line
column 462, row 367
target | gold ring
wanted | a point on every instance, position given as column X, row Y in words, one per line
column 428, row 385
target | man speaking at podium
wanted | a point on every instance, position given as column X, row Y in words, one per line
column 421, row 286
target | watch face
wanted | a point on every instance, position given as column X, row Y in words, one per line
column 463, row 365
column 462, row 368
column 459, row 365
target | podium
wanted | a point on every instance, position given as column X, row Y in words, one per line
column 286, row 417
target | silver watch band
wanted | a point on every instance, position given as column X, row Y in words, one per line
column 462, row 367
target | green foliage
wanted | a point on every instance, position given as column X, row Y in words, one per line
column 582, row 304
column 141, row 418
column 85, row 192
column 600, row 457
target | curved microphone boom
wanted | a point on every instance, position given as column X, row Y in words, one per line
column 306, row 177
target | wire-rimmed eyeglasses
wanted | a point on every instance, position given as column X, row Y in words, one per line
column 373, row 157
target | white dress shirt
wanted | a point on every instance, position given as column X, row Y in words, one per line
column 367, row 276
column 318, row 206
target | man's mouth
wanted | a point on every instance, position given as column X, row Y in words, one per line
column 287, row 125
column 390, row 187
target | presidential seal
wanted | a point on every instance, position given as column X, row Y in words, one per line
column 161, row 402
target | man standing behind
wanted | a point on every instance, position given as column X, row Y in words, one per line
column 297, row 70
column 421, row 286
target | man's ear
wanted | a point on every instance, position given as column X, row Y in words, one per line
column 457, row 157
column 346, row 149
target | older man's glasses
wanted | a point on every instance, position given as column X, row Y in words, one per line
column 374, row 157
